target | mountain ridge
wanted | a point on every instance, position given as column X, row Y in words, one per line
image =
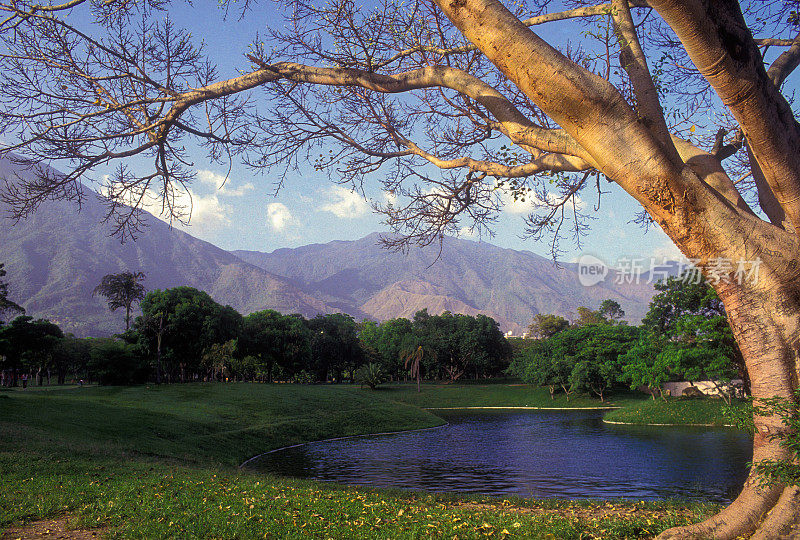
column 56, row 257
column 460, row 275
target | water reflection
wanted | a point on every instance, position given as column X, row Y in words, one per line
column 570, row 454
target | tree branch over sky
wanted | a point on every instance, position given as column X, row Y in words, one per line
column 452, row 107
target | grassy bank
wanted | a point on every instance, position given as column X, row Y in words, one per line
column 198, row 423
column 158, row 462
column 704, row 411
column 632, row 407
column 492, row 394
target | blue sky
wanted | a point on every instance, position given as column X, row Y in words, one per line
column 247, row 214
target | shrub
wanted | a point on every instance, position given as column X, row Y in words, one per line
column 370, row 374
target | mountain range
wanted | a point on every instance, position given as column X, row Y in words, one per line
column 56, row 257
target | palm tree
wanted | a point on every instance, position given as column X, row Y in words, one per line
column 414, row 358
column 122, row 290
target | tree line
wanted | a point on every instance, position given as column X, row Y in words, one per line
column 684, row 336
column 184, row 335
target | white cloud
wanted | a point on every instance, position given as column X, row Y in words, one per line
column 199, row 211
column 279, row 216
column 203, row 212
column 212, row 178
column 513, row 206
column 526, row 203
column 345, row 203
column 208, row 211
column 221, row 183
column 238, row 192
column 518, row 206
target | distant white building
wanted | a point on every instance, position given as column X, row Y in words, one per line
column 706, row 387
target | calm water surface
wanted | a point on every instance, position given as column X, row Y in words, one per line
column 566, row 454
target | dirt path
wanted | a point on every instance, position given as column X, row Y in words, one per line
column 50, row 529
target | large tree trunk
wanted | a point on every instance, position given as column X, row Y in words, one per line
column 767, row 333
column 697, row 206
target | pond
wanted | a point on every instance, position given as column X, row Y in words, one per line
column 565, row 454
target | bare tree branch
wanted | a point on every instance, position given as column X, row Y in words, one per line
column 730, row 61
column 785, row 64
column 633, row 61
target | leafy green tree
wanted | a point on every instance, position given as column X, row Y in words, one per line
column 579, row 359
column 28, row 345
column 5, row 303
column 686, row 334
column 114, row 362
column 482, row 345
column 437, row 334
column 413, row 362
column 545, row 326
column 643, row 365
column 247, row 368
column 611, row 311
column 122, row 291
column 458, row 344
column 334, row 346
column 275, row 339
column 687, row 294
column 538, row 365
column 592, row 378
column 70, row 354
column 218, row 359
column 597, row 353
column 703, row 349
column 388, row 340
column 587, row 317
column 369, row 334
column 190, row 322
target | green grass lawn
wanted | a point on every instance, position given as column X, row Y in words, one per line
column 501, row 394
column 159, row 462
column 699, row 411
column 481, row 395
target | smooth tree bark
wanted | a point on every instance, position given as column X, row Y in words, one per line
column 425, row 94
